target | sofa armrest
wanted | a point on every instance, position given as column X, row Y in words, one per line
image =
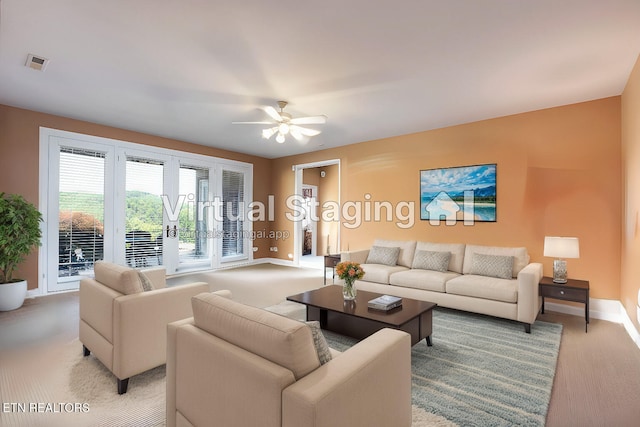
column 528, row 293
column 369, row 384
column 140, row 326
column 355, row 256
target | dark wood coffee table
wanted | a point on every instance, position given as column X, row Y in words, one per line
column 355, row 319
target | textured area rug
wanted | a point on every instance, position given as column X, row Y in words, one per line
column 482, row 371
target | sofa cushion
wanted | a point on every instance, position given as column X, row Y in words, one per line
column 383, row 255
column 431, row 260
column 379, row 273
column 520, row 256
column 456, row 250
column 428, row 280
column 500, row 266
column 407, row 249
column 284, row 341
column 117, row 277
column 320, row 342
column 505, row 290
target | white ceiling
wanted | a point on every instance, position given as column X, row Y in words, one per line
column 186, row 69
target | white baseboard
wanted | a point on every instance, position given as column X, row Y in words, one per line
column 611, row 310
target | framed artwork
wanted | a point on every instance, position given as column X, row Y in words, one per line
column 464, row 193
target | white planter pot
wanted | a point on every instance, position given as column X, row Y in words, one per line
column 12, row 295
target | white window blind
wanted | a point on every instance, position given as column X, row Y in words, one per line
column 81, row 211
column 233, row 217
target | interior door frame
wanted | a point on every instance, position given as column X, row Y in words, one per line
column 297, row 190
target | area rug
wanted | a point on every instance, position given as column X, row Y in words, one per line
column 482, row 371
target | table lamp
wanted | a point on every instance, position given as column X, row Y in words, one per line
column 560, row 248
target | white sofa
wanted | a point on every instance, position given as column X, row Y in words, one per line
column 492, row 280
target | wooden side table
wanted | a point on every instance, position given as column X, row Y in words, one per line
column 330, row 261
column 574, row 290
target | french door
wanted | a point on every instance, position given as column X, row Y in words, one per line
column 137, row 206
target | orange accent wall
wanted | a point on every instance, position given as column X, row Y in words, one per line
column 558, row 174
column 631, row 169
column 19, row 146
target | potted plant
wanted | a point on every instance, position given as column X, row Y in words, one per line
column 19, row 234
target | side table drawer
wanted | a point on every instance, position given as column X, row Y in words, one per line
column 568, row 294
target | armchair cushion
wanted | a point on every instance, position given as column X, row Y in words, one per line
column 117, row 277
column 284, row 341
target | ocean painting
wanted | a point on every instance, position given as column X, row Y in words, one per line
column 459, row 193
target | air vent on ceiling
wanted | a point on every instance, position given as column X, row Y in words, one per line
column 37, row 62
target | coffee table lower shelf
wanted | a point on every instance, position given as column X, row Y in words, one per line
column 355, row 319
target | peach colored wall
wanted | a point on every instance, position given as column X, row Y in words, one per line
column 19, row 145
column 558, row 173
column 631, row 159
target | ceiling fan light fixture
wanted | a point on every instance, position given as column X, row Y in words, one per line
column 268, row 133
column 283, row 128
column 280, row 138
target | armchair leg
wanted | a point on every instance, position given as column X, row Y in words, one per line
column 527, row 328
column 85, row 351
column 122, row 385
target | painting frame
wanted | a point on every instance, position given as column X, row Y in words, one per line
column 459, row 193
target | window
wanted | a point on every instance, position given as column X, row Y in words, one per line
column 80, row 211
column 143, row 212
column 136, row 205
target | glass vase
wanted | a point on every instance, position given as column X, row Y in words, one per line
column 349, row 289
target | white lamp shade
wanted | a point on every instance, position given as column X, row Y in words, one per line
column 562, row 247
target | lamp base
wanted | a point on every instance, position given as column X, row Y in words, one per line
column 559, row 271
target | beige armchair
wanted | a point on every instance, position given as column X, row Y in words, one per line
column 235, row 365
column 125, row 326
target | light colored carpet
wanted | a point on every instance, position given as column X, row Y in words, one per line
column 260, row 285
column 79, row 390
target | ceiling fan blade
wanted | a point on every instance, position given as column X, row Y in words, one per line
column 295, row 132
column 273, row 113
column 251, row 123
column 311, row 120
column 268, row 133
column 304, row 131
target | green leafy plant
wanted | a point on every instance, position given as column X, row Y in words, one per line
column 19, row 232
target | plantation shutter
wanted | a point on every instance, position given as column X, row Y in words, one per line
column 233, row 213
column 81, row 211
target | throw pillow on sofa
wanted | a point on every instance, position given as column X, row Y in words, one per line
column 499, row 266
column 431, row 260
column 383, row 255
column 320, row 342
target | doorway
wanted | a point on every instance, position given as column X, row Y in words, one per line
column 318, row 184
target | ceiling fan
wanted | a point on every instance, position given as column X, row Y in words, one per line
column 283, row 124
